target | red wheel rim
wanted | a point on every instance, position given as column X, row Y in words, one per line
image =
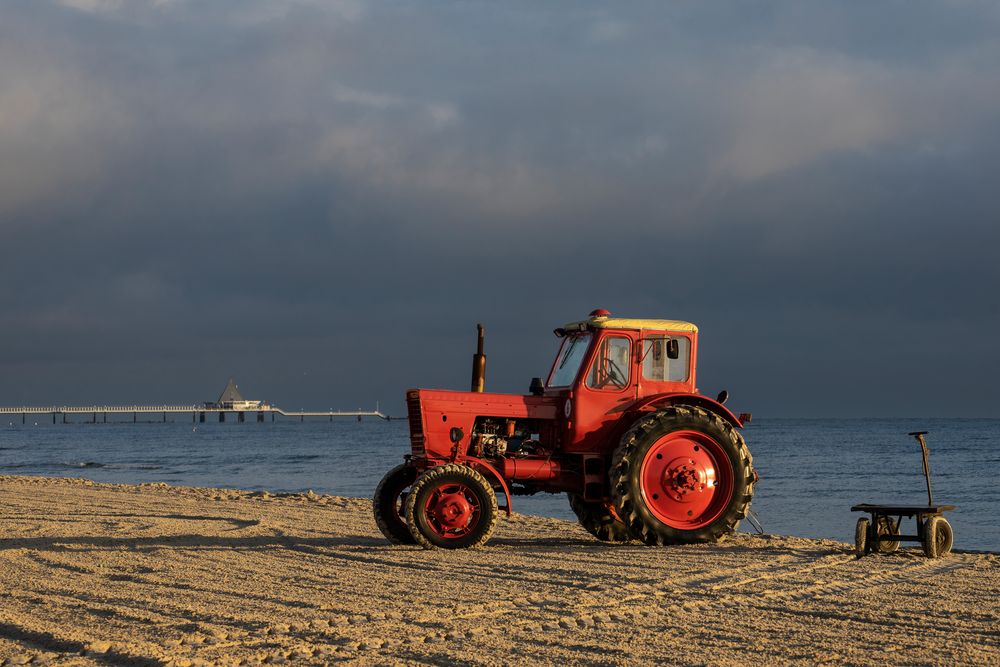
column 452, row 510
column 687, row 479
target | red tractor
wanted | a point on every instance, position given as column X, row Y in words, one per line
column 619, row 426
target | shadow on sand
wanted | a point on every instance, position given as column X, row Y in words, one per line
column 187, row 541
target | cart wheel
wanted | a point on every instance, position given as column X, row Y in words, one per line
column 938, row 537
column 886, row 526
column 861, row 537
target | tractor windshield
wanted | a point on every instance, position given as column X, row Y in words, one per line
column 570, row 358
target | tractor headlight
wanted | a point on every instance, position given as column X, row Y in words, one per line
column 568, row 407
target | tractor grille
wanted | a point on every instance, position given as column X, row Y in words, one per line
column 416, row 424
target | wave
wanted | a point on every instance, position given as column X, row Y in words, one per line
column 294, row 458
column 77, row 465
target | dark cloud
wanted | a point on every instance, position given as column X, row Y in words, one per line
column 322, row 199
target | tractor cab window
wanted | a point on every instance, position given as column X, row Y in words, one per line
column 610, row 369
column 571, row 354
column 657, row 365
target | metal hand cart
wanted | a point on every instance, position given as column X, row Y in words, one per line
column 881, row 533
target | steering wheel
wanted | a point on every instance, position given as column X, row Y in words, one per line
column 614, row 373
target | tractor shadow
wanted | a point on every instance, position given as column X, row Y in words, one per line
column 190, row 541
column 45, row 641
column 238, row 524
column 546, row 543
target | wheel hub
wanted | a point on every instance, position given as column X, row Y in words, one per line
column 682, row 476
column 452, row 510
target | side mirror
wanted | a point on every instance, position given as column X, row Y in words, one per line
column 537, row 387
column 673, row 349
column 456, row 434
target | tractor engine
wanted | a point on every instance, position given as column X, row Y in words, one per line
column 516, row 447
column 498, row 437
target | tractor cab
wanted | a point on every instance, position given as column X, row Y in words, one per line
column 605, row 365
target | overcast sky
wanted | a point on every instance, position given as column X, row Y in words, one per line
column 321, row 199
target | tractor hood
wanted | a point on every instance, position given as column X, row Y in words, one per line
column 433, row 413
column 441, row 403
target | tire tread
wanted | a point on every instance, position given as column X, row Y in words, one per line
column 393, row 533
column 598, row 520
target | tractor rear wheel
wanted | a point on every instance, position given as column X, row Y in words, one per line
column 389, row 503
column 451, row 507
column 599, row 519
column 682, row 475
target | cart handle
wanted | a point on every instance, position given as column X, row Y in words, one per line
column 919, row 435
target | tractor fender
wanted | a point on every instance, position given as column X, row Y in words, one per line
column 660, row 400
column 479, row 463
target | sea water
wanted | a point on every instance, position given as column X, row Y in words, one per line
column 811, row 470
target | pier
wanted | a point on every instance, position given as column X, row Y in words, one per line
column 198, row 412
column 230, row 402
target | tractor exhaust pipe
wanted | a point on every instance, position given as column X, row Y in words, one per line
column 479, row 364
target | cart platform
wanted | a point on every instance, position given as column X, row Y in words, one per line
column 881, row 533
column 903, row 510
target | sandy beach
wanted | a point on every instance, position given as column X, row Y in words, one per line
column 151, row 574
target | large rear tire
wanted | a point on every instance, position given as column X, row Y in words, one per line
column 682, row 475
column 389, row 504
column 451, row 507
column 599, row 519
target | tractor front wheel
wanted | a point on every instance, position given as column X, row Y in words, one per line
column 451, row 507
column 682, row 475
column 389, row 503
column 599, row 519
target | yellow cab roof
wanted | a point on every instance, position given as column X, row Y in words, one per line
column 604, row 322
